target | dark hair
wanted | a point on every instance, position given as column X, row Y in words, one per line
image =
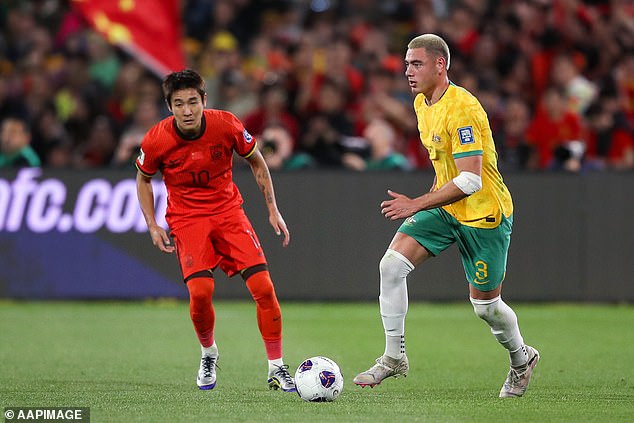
column 14, row 117
column 182, row 80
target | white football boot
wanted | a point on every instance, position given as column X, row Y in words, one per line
column 207, row 373
column 517, row 380
column 385, row 367
column 280, row 378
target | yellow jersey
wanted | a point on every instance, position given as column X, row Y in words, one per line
column 454, row 127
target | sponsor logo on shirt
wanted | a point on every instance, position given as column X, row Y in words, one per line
column 247, row 137
column 141, row 157
column 466, row 135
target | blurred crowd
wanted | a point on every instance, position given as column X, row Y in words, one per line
column 321, row 83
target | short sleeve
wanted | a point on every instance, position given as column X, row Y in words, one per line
column 148, row 161
column 244, row 143
column 466, row 131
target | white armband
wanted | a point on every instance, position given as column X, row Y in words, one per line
column 468, row 182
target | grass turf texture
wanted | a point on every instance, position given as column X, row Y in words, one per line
column 138, row 361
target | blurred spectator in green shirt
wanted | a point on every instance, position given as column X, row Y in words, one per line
column 381, row 138
column 15, row 144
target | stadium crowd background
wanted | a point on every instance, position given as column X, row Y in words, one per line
column 321, row 82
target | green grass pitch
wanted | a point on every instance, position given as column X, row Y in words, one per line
column 136, row 362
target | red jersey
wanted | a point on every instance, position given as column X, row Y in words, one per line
column 620, row 141
column 197, row 172
column 546, row 134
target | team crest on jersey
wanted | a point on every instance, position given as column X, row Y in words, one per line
column 247, row 137
column 466, row 135
column 141, row 157
column 216, row 151
column 436, row 138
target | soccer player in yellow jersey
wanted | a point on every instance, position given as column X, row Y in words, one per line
column 468, row 204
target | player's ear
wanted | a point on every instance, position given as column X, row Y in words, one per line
column 169, row 106
column 441, row 63
column 205, row 100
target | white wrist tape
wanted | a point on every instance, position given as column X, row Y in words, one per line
column 468, row 182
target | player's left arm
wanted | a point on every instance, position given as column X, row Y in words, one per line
column 263, row 178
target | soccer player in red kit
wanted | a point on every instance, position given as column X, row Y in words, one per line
column 193, row 149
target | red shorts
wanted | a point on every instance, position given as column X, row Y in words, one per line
column 226, row 240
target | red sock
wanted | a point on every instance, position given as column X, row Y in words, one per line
column 268, row 313
column 201, row 309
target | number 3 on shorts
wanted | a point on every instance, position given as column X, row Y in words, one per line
column 481, row 273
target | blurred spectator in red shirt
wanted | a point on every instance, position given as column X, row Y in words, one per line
column 553, row 128
column 337, row 68
column 624, row 75
column 610, row 142
column 382, row 100
column 273, row 108
column 461, row 28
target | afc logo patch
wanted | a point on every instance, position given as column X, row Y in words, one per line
column 247, row 137
column 466, row 135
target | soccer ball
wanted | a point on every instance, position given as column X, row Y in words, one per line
column 318, row 379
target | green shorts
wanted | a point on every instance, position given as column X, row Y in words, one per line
column 483, row 251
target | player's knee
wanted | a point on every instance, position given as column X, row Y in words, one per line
column 200, row 290
column 199, row 306
column 199, row 298
column 485, row 309
column 394, row 266
column 261, row 287
column 264, row 294
column 386, row 265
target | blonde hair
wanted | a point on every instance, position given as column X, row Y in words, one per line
column 434, row 45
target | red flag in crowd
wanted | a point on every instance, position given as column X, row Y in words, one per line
column 150, row 30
